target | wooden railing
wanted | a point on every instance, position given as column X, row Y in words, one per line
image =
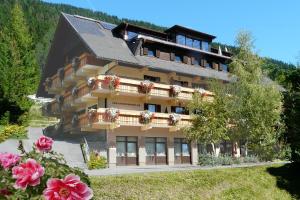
column 132, row 118
column 84, row 59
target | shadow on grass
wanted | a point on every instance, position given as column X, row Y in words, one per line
column 288, row 178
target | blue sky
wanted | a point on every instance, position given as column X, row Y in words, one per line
column 275, row 24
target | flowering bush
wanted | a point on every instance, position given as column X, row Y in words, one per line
column 201, row 91
column 41, row 175
column 13, row 131
column 68, row 188
column 96, row 161
column 146, row 86
column 111, row 81
column 44, row 144
column 175, row 90
column 92, row 83
column 111, row 114
column 92, row 116
column 174, row 119
column 146, row 117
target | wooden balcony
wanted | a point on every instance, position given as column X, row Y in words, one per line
column 130, row 87
column 131, row 118
column 84, row 66
column 51, row 109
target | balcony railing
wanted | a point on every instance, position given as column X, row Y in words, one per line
column 80, row 68
column 130, row 118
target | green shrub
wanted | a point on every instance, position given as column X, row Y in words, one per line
column 13, row 131
column 250, row 159
column 96, row 161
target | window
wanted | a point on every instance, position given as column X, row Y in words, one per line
column 224, row 67
column 181, row 83
column 181, row 147
column 200, row 85
column 155, row 146
column 196, row 44
column 196, row 62
column 178, row 58
column 189, row 42
column 207, row 64
column 179, row 110
column 131, row 35
column 180, row 39
column 152, row 107
column 126, row 146
column 151, row 53
column 205, row 46
column 152, row 78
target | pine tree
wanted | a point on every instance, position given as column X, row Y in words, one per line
column 19, row 69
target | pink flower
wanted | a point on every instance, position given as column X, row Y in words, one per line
column 44, row 144
column 27, row 173
column 8, row 160
column 68, row 188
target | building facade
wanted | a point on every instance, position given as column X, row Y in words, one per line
column 124, row 89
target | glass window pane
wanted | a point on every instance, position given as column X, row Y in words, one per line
column 188, row 42
column 185, row 149
column 151, row 107
column 121, row 150
column 150, row 52
column 180, row 39
column 196, row 44
column 177, row 149
column 159, row 139
column 149, row 139
column 131, row 149
column 160, row 149
column 132, row 139
column 224, row 67
column 150, row 148
column 131, row 35
column 205, row 46
column 178, row 58
column 119, row 138
column 179, row 110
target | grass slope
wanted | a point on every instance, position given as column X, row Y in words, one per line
column 238, row 183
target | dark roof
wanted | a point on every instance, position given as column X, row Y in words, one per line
column 139, row 29
column 192, row 32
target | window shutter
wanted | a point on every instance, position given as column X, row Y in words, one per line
column 157, row 53
column 158, row 108
column 145, row 106
column 173, row 109
column 172, row 56
column 145, row 51
column 185, row 59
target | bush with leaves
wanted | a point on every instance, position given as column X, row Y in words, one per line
column 41, row 174
column 12, row 131
column 96, row 161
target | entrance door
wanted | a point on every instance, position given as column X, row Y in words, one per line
column 156, row 148
column 127, row 150
column 182, row 151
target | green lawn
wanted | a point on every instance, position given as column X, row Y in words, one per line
column 267, row 182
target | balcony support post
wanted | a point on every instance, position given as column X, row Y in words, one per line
column 142, row 151
column 171, row 154
column 194, row 151
column 112, row 150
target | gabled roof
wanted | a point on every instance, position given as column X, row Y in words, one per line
column 100, row 40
